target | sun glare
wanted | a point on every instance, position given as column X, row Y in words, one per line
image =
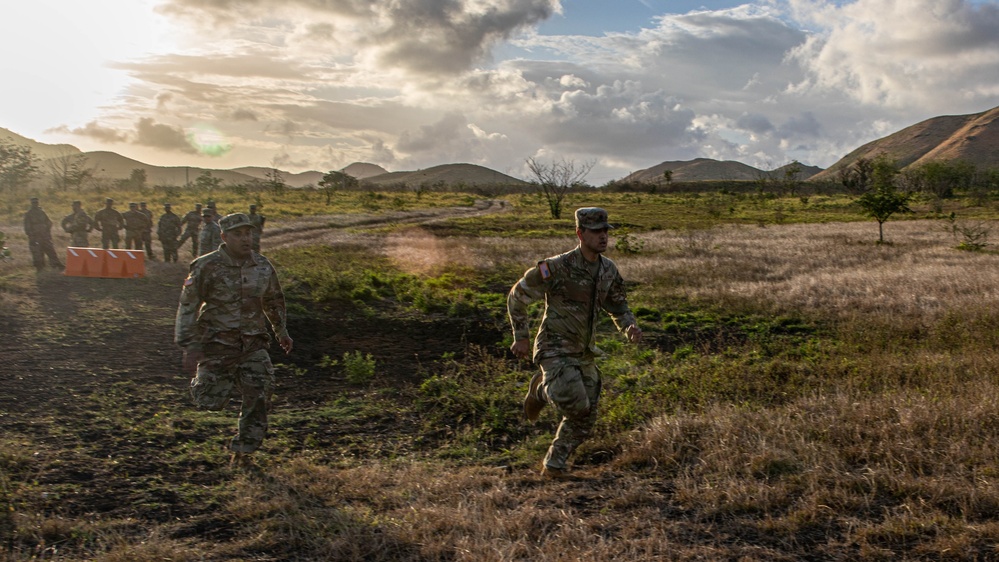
column 208, row 140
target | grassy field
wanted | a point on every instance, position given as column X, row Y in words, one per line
column 803, row 392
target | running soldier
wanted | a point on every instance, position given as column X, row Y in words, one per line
column 78, row 224
column 109, row 221
column 574, row 286
column 167, row 230
column 38, row 228
column 192, row 224
column 227, row 300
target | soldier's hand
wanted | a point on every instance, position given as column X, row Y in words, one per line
column 634, row 333
column 191, row 360
column 521, row 349
column 286, row 344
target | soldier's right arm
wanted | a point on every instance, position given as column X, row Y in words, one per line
column 530, row 288
column 186, row 330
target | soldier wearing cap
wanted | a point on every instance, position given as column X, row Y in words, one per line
column 135, row 224
column 258, row 226
column 211, row 235
column 227, row 300
column 167, row 230
column 574, row 286
column 109, row 221
column 192, row 224
column 147, row 234
column 38, row 228
column 78, row 224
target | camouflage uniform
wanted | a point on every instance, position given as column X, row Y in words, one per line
column 167, row 230
column 210, row 236
column 109, row 221
column 78, row 224
column 192, row 224
column 224, row 310
column 38, row 228
column 574, row 292
column 258, row 226
column 147, row 234
column 135, row 225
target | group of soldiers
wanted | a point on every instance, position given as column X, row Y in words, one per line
column 199, row 225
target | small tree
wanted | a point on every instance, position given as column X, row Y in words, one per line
column 557, row 178
column 884, row 199
column 207, row 183
column 69, row 170
column 334, row 180
column 18, row 165
column 857, row 177
column 275, row 181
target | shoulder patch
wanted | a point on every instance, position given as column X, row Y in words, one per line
column 546, row 272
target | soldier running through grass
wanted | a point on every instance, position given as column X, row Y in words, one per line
column 228, row 298
column 575, row 286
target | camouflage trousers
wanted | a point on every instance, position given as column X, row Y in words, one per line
column 109, row 239
column 80, row 240
column 133, row 239
column 193, row 235
column 220, row 374
column 40, row 249
column 573, row 386
column 169, row 249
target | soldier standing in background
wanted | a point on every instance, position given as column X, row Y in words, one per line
column 78, row 224
column 258, row 227
column 192, row 224
column 210, row 236
column 109, row 221
column 147, row 235
column 135, row 224
column 38, row 228
column 167, row 230
column 225, row 344
column 574, row 287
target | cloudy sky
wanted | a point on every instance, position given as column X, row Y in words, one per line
column 408, row 84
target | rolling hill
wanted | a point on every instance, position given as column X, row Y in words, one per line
column 449, row 174
column 702, row 169
column 973, row 138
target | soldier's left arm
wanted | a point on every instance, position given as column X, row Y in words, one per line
column 275, row 310
column 616, row 304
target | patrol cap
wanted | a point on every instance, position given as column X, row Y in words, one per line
column 235, row 220
column 167, row 205
column 592, row 218
column 197, row 205
column 253, row 207
column 133, row 204
column 34, row 200
column 77, row 203
column 109, row 200
column 207, row 213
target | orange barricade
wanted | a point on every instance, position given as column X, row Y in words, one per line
column 97, row 262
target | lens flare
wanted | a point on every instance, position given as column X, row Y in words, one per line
column 208, row 140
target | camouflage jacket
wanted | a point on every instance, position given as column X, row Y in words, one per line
column 109, row 219
column 136, row 221
column 192, row 221
column 168, row 227
column 573, row 300
column 224, row 303
column 149, row 219
column 78, row 221
column 37, row 224
column 210, row 237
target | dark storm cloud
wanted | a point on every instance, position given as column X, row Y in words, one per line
column 801, row 125
column 158, row 135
